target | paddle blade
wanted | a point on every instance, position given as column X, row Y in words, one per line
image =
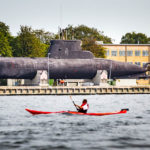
column 124, row 110
column 127, row 109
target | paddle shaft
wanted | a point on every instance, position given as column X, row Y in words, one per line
column 74, row 103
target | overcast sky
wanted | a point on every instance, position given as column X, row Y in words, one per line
column 113, row 17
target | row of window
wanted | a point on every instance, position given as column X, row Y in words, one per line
column 129, row 53
column 138, row 63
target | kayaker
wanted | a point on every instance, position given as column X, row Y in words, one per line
column 84, row 107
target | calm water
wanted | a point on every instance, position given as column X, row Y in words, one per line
column 21, row 131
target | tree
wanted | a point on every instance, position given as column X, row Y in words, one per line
column 5, row 37
column 88, row 36
column 26, row 44
column 5, row 48
column 44, row 37
column 3, row 82
column 135, row 38
column 96, row 49
column 82, row 32
column 4, row 29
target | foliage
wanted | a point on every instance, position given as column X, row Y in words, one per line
column 83, row 32
column 3, row 82
column 5, row 48
column 44, row 37
column 4, row 29
column 26, row 44
column 5, row 37
column 96, row 49
column 35, row 43
column 88, row 36
column 135, row 38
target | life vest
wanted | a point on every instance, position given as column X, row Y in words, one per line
column 85, row 106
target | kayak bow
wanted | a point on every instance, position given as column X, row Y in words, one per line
column 35, row 112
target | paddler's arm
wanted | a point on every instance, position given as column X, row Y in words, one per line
column 79, row 107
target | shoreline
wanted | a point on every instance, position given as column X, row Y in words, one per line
column 77, row 90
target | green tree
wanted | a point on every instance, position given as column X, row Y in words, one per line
column 26, row 44
column 3, row 82
column 82, row 32
column 5, row 48
column 44, row 37
column 5, row 38
column 88, row 36
column 135, row 38
column 96, row 49
column 4, row 29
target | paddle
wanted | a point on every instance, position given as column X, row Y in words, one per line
column 74, row 103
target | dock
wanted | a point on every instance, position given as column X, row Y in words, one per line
column 64, row 90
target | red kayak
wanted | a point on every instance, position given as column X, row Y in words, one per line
column 35, row 112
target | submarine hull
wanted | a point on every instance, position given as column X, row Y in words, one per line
column 26, row 68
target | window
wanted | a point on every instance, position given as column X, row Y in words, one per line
column 113, row 53
column 129, row 53
column 121, row 53
column 138, row 63
column 137, row 52
column 107, row 52
column 145, row 52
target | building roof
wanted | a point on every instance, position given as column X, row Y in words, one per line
column 125, row 44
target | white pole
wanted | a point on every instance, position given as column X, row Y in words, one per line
column 48, row 69
column 110, row 70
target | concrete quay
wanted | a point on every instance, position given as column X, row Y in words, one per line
column 64, row 90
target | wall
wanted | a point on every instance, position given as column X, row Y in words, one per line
column 130, row 59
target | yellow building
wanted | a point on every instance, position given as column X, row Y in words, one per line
column 138, row 54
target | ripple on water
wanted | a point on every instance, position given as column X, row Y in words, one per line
column 21, row 131
column 148, row 111
column 139, row 117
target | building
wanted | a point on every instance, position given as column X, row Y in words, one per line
column 138, row 54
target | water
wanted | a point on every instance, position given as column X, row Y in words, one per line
column 21, row 131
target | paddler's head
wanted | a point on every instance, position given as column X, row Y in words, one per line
column 84, row 101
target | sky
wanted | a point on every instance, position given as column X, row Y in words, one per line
column 114, row 17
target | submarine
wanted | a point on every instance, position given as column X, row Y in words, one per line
column 66, row 60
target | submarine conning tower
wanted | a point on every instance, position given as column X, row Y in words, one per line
column 68, row 49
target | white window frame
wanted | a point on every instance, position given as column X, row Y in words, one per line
column 121, row 52
column 145, row 53
column 137, row 52
column 114, row 53
column 129, row 52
